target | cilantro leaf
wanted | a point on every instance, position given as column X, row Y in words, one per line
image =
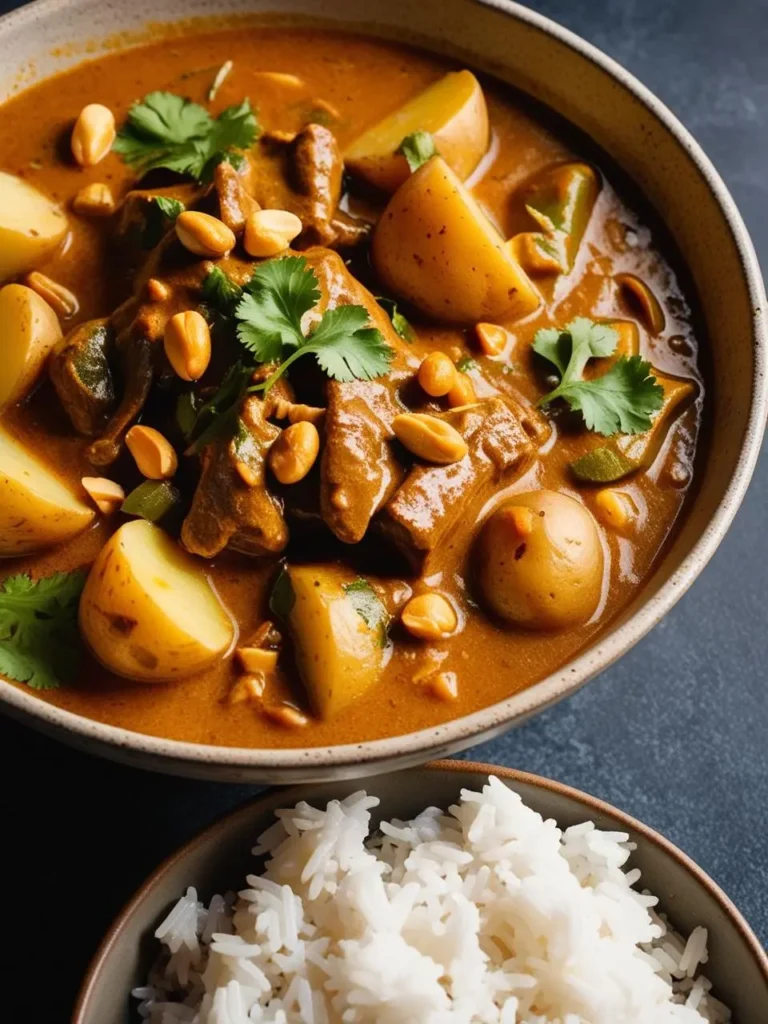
column 219, row 414
column 399, row 322
column 417, row 148
column 345, row 349
column 165, row 130
column 161, row 213
column 621, row 401
column 466, row 364
column 277, row 297
column 283, row 598
column 368, row 606
column 221, row 292
column 39, row 640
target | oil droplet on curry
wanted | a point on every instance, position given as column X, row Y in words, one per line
column 356, row 390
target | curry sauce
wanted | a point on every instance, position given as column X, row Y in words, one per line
column 347, row 84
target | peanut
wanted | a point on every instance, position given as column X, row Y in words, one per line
column 614, row 508
column 268, row 232
column 462, row 392
column 95, row 200
column 204, row 235
column 429, row 438
column 93, row 134
column 107, row 495
column 286, row 715
column 157, row 290
column 257, row 659
column 153, row 454
column 437, row 374
column 249, row 687
column 638, row 293
column 429, row 616
column 294, row 452
column 491, row 338
column 187, row 343
column 281, row 78
column 445, row 686
column 60, row 299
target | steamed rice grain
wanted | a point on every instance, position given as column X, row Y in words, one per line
column 487, row 914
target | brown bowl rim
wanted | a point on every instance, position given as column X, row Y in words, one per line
column 293, row 794
column 297, row 763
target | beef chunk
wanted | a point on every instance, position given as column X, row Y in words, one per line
column 81, row 374
column 232, row 507
column 304, row 177
column 359, row 469
column 233, row 191
column 436, row 508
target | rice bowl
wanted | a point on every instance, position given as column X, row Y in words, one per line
column 485, row 913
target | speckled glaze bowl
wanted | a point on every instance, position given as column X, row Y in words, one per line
column 219, row 858
column 644, row 138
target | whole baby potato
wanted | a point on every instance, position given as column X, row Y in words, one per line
column 434, row 246
column 29, row 329
column 540, row 561
column 148, row 611
column 31, row 226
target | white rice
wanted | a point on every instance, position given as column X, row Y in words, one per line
column 487, row 913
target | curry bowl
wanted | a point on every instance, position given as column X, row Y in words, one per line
column 219, row 857
column 527, row 564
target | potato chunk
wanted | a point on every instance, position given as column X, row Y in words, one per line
column 452, row 110
column 434, row 246
column 148, row 611
column 29, row 329
column 338, row 625
column 36, row 509
column 31, row 226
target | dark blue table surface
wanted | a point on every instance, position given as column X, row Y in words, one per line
column 676, row 733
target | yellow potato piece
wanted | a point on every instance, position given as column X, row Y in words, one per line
column 31, row 226
column 29, row 329
column 36, row 509
column 338, row 655
column 148, row 611
column 434, row 246
column 452, row 110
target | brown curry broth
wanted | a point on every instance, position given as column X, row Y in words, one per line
column 363, row 79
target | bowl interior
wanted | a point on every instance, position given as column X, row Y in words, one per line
column 219, row 859
column 676, row 178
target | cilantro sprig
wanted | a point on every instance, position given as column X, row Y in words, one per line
column 621, row 401
column 39, row 642
column 270, row 313
column 165, row 130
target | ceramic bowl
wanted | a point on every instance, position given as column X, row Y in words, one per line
column 644, row 138
column 219, row 858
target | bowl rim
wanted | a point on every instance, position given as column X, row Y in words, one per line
column 593, row 805
column 415, row 747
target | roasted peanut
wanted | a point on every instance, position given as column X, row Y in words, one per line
column 60, row 299
column 204, row 235
column 638, row 293
column 107, row 495
column 429, row 438
column 187, row 343
column 95, row 200
column 286, row 715
column 444, row 686
column 614, row 508
column 257, row 659
column 249, row 687
column 299, row 413
column 157, row 290
column 294, row 452
column 491, row 338
column 283, row 78
column 93, row 134
column 437, row 374
column 153, row 454
column 462, row 392
column 429, row 616
column 268, row 232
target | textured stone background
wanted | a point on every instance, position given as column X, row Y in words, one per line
column 676, row 733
